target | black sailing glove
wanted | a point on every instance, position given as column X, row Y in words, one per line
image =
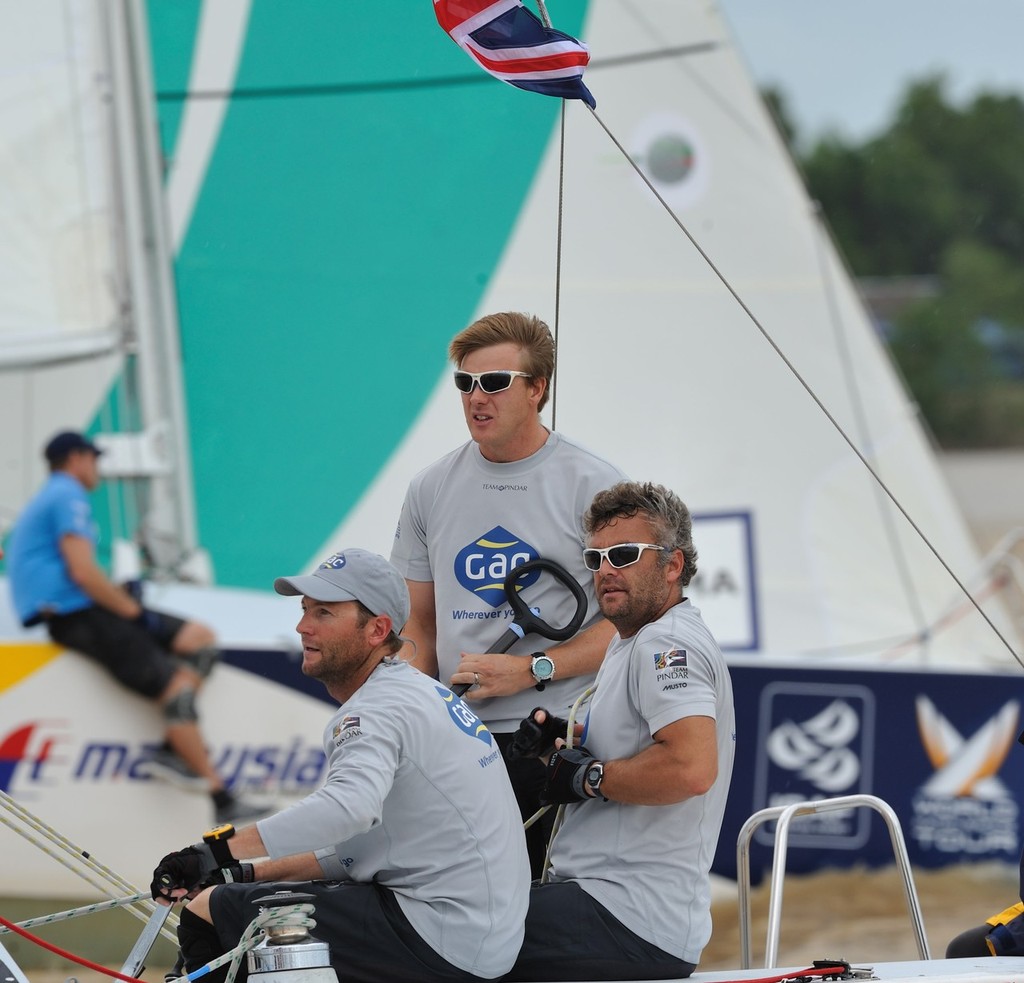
column 534, row 740
column 186, row 869
column 566, row 776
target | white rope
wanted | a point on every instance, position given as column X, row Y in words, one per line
column 287, row 916
column 60, row 916
column 106, row 881
column 570, row 737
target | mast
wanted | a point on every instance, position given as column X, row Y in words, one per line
column 159, row 454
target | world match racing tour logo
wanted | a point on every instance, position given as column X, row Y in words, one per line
column 482, row 566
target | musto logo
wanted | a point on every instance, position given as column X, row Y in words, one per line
column 482, row 566
column 964, row 807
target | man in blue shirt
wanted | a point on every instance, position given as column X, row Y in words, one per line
column 56, row 580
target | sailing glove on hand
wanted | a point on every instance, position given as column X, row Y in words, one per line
column 194, row 868
column 566, row 776
column 534, row 740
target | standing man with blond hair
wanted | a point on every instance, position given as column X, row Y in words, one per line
column 514, row 492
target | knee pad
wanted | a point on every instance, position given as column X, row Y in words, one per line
column 203, row 660
column 181, row 708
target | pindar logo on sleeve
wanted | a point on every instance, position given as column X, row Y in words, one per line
column 345, row 728
column 482, row 566
column 670, row 660
column 670, row 669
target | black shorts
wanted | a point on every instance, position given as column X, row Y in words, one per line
column 570, row 936
column 369, row 936
column 137, row 659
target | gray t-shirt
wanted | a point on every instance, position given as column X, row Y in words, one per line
column 467, row 521
column 649, row 865
column 417, row 799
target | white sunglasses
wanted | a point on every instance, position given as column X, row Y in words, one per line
column 619, row 556
column 489, row 382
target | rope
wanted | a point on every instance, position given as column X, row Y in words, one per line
column 824, row 970
column 558, row 263
column 286, row 916
column 888, row 520
column 570, row 737
column 61, row 916
column 42, row 833
column 63, row 953
column 806, row 387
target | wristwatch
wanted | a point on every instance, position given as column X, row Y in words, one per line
column 594, row 777
column 543, row 669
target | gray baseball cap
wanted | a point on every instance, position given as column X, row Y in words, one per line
column 354, row 575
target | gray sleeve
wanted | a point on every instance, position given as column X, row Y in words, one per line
column 409, row 551
column 361, row 771
column 673, row 680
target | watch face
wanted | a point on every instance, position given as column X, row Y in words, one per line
column 543, row 667
column 594, row 775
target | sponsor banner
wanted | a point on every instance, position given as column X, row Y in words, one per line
column 73, row 751
column 939, row 748
column 724, row 588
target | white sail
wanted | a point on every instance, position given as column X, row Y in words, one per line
column 60, row 277
column 662, row 370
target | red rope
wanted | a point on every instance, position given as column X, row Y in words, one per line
column 67, row 955
column 812, row 971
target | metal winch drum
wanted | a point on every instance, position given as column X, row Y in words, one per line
column 288, row 953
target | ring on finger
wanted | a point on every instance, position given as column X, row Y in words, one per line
column 476, row 678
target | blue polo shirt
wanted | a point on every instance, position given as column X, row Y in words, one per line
column 35, row 567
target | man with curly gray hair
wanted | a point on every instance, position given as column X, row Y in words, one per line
column 646, row 786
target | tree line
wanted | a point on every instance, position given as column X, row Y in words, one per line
column 939, row 194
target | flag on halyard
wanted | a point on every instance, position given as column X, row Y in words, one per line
column 512, row 43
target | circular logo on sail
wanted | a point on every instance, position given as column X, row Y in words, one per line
column 670, row 152
column 670, row 159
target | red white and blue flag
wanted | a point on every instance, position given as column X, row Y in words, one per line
column 512, row 44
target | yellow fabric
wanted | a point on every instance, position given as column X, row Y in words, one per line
column 18, row 660
column 1008, row 915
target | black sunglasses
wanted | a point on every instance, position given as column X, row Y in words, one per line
column 489, row 382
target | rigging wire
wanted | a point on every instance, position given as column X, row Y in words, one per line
column 558, row 265
column 898, row 554
column 806, row 386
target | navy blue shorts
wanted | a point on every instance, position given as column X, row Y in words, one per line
column 368, row 934
column 137, row 659
column 570, row 936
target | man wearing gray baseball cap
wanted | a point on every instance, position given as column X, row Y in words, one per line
column 406, row 758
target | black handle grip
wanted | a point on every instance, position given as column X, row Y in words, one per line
column 524, row 621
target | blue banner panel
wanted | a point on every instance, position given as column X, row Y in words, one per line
column 939, row 747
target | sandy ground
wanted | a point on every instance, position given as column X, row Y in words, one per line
column 860, row 916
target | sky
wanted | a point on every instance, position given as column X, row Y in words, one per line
column 843, row 66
